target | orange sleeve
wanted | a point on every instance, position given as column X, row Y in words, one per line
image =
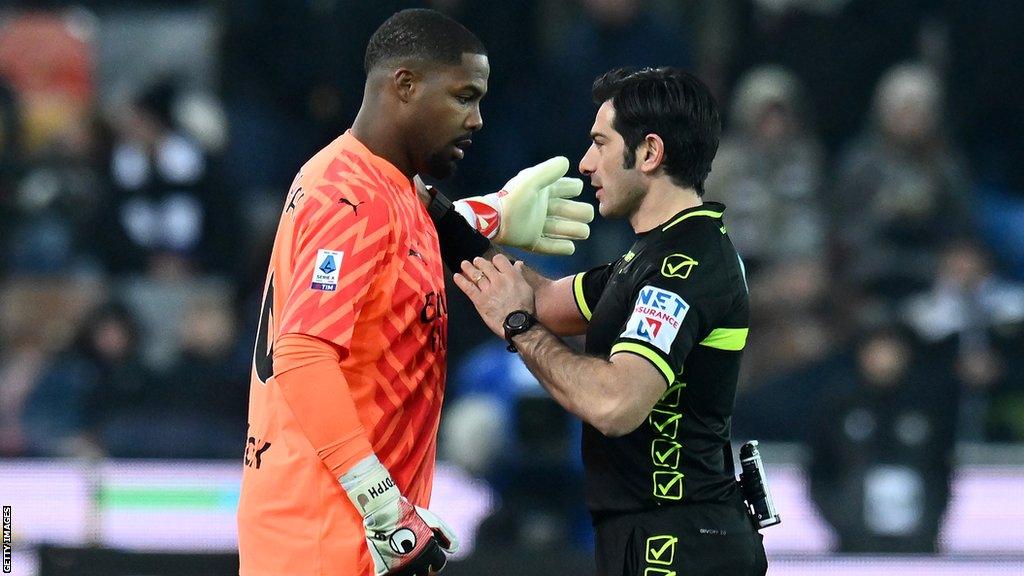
column 313, row 385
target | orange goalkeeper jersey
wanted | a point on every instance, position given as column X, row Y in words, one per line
column 355, row 263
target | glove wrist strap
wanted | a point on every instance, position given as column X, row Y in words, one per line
column 369, row 486
column 459, row 241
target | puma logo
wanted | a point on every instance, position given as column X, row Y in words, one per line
column 355, row 207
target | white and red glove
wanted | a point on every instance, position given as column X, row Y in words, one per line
column 532, row 210
column 404, row 540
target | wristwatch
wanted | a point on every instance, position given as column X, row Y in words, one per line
column 515, row 324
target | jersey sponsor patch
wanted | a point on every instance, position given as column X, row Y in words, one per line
column 325, row 270
column 657, row 316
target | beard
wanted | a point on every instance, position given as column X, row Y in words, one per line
column 440, row 164
column 627, row 204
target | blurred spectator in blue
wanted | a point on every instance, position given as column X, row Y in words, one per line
column 985, row 52
column 193, row 409
column 98, row 375
column 882, row 447
column 500, row 425
column 769, row 171
column 166, row 214
column 975, row 317
column 902, row 189
column 596, row 37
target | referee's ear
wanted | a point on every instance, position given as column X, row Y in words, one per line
column 650, row 154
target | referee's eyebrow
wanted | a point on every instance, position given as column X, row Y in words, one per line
column 594, row 135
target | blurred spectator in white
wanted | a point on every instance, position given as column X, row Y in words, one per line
column 769, row 171
column 882, row 447
column 166, row 209
column 902, row 189
column 861, row 37
column 98, row 374
column 977, row 318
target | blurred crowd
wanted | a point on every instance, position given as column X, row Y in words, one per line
column 872, row 162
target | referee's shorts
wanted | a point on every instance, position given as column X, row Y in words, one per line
column 693, row 539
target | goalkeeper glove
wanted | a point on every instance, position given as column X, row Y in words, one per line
column 404, row 540
column 532, row 210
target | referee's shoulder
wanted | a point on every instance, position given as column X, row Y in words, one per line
column 699, row 254
column 701, row 236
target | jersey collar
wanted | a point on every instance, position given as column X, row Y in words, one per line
column 389, row 170
column 706, row 210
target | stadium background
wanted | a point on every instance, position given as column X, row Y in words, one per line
column 873, row 165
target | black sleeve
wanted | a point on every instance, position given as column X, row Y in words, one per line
column 587, row 288
column 675, row 305
column 458, row 240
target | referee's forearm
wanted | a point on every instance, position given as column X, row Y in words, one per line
column 581, row 384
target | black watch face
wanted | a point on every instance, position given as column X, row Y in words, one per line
column 517, row 319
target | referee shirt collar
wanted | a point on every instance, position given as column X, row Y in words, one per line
column 705, row 210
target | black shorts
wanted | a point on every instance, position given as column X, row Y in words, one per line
column 684, row 540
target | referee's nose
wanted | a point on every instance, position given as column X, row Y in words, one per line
column 588, row 164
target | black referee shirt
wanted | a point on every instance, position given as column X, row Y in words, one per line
column 678, row 298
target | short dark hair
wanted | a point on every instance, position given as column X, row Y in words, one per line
column 671, row 103
column 421, row 34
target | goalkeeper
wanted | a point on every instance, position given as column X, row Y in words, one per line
column 349, row 363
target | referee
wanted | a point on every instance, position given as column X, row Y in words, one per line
column 665, row 327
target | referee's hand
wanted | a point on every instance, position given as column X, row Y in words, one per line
column 496, row 288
